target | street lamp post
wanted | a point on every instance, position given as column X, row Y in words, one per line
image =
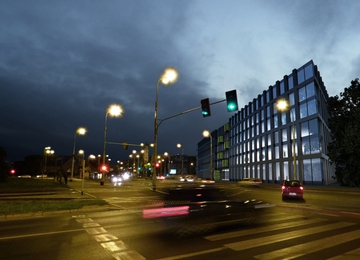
column 44, row 160
column 115, row 111
column 283, row 105
column 207, row 134
column 182, row 156
column 47, row 151
column 80, row 131
column 169, row 76
column 168, row 162
column 81, row 152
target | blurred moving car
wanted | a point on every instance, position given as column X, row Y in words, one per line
column 292, row 189
column 253, row 182
column 190, row 209
column 24, row 176
column 116, row 179
column 42, row 176
column 207, row 180
column 189, row 178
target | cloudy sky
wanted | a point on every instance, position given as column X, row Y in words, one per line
column 63, row 63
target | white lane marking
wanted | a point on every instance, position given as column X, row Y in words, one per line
column 42, row 234
column 193, row 254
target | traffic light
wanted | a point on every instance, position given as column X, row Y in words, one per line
column 205, row 107
column 231, row 100
column 103, row 168
column 125, row 146
column 157, row 165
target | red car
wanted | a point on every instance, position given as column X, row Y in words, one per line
column 292, row 189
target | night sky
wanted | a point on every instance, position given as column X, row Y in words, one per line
column 63, row 63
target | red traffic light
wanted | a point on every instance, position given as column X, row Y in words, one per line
column 104, row 168
column 12, row 171
column 157, row 165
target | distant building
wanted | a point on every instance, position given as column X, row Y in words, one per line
column 258, row 140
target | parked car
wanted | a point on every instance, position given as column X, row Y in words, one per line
column 292, row 189
column 253, row 182
column 195, row 208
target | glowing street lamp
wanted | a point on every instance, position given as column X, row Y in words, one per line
column 79, row 131
column 168, row 77
column 283, row 106
column 115, row 111
column 207, row 134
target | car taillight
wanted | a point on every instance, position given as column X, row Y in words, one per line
column 282, row 187
column 301, row 188
column 166, row 212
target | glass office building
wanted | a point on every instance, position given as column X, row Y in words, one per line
column 264, row 142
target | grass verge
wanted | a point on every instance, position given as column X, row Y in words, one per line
column 34, row 206
column 18, row 206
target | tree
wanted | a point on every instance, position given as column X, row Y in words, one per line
column 344, row 124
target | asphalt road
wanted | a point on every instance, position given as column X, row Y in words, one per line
column 325, row 225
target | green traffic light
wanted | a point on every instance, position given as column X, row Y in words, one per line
column 232, row 107
column 231, row 100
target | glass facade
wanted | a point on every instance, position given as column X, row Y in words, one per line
column 262, row 140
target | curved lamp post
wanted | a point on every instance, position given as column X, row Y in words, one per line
column 166, row 154
column 283, row 106
column 115, row 111
column 79, row 131
column 168, row 77
column 182, row 157
column 207, row 134
column 47, row 152
column 82, row 153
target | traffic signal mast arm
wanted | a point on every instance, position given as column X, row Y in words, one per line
column 188, row 111
column 124, row 144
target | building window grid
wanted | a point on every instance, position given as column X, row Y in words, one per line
column 261, row 99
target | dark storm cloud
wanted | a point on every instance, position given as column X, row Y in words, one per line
column 64, row 62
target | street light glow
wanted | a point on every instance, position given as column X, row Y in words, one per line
column 169, row 76
column 206, row 133
column 115, row 110
column 282, row 105
column 81, row 131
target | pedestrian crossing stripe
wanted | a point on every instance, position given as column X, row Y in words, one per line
column 311, row 247
column 251, row 243
column 264, row 229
